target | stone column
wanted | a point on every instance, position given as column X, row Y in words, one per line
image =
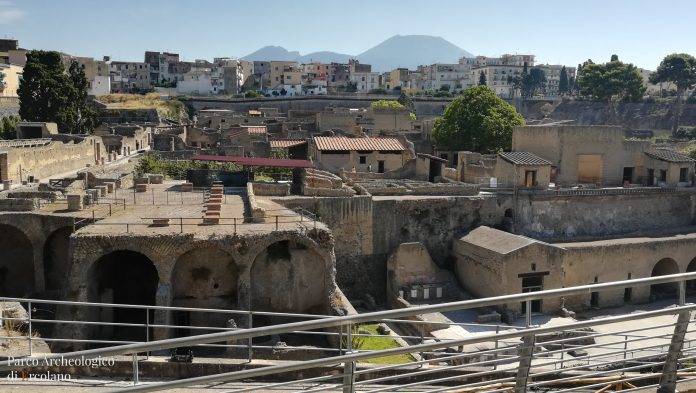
column 162, row 317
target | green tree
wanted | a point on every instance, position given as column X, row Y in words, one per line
column 2, row 82
column 564, row 82
column 8, row 127
column 482, row 79
column 680, row 69
column 44, row 89
column 48, row 93
column 614, row 58
column 405, row 100
column 613, row 81
column 80, row 116
column 532, row 81
column 478, row 120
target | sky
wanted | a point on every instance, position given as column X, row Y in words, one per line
column 557, row 32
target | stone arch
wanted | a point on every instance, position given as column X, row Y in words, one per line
column 204, row 277
column 56, row 259
column 17, row 277
column 289, row 275
column 691, row 284
column 123, row 277
column 664, row 267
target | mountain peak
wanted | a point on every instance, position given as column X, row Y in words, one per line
column 407, row 51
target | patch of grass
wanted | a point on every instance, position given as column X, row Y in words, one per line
column 379, row 342
column 168, row 108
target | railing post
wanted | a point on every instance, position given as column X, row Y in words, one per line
column 525, row 353
column 153, row 196
column 135, row 369
column 495, row 355
column 250, row 348
column 668, row 380
column 528, row 312
column 349, row 367
column 682, row 292
column 234, row 219
column 167, row 193
column 181, row 224
column 29, row 335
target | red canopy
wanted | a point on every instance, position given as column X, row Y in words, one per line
column 258, row 161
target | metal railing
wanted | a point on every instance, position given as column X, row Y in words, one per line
column 568, row 355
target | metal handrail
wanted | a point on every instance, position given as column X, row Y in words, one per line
column 331, row 322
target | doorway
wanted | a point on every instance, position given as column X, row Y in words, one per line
column 628, row 174
column 530, row 179
column 533, row 283
column 380, row 166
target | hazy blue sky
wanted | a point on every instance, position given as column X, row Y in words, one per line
column 564, row 32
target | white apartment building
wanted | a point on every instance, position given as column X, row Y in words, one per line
column 365, row 81
column 448, row 77
column 198, row 82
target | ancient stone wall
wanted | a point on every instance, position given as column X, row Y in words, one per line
column 614, row 214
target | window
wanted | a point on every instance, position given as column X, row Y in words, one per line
column 683, row 175
column 363, row 159
column 663, row 175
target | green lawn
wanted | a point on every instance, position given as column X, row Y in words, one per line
column 378, row 342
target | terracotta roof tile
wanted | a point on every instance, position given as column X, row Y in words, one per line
column 351, row 144
column 286, row 143
column 523, row 158
column 669, row 155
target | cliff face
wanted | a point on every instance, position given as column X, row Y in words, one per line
column 654, row 116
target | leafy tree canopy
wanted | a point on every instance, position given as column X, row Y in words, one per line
column 678, row 68
column 610, row 81
column 478, row 121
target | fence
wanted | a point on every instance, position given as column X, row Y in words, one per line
column 630, row 350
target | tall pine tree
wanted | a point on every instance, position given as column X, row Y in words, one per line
column 50, row 94
column 563, row 83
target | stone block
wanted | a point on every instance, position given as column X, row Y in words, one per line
column 6, row 184
column 142, row 187
column 160, row 222
column 155, row 178
column 213, row 206
column 75, row 202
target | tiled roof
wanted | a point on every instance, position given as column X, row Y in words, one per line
column 256, row 130
column 523, row 158
column 286, row 143
column 669, row 155
column 352, row 144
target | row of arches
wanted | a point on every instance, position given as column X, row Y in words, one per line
column 285, row 277
column 667, row 266
column 17, row 261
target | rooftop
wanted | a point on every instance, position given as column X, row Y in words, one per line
column 669, row 155
column 257, row 161
column 352, row 144
column 496, row 240
column 286, row 143
column 523, row 158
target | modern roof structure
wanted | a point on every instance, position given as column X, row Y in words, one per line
column 669, row 156
column 257, row 161
column 341, row 143
column 523, row 158
column 497, row 241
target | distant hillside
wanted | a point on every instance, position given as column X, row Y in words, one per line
column 408, row 51
column 272, row 53
column 324, row 57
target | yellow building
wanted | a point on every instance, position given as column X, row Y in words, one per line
column 10, row 81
